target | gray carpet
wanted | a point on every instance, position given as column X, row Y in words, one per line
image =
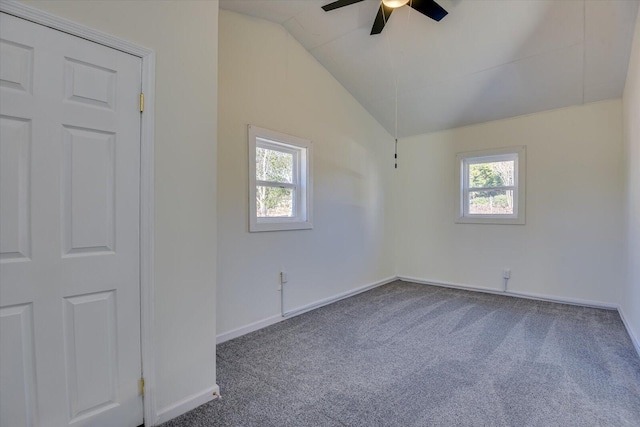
column 414, row 355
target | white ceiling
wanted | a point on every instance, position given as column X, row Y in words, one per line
column 486, row 60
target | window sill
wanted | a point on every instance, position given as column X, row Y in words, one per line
column 256, row 227
column 490, row 220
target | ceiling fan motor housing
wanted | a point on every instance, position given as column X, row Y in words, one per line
column 427, row 7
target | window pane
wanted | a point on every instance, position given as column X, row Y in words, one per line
column 491, row 174
column 274, row 166
column 272, row 202
column 492, row 202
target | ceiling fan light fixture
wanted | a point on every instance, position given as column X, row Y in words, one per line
column 428, row 8
column 393, row 4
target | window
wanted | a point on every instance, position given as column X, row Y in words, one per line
column 279, row 181
column 491, row 185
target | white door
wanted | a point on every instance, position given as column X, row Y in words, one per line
column 69, row 230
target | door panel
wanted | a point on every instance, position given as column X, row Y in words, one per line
column 88, row 191
column 17, row 367
column 15, row 161
column 90, row 84
column 69, row 230
column 92, row 368
column 18, row 73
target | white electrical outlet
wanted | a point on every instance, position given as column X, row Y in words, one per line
column 506, row 273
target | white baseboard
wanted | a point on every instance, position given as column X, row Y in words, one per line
column 243, row 330
column 338, row 297
column 633, row 337
column 527, row 295
column 188, row 403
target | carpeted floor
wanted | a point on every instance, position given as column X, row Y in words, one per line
column 414, row 355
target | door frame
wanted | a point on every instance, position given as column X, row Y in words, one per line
column 148, row 58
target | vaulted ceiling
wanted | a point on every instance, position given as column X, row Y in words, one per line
column 486, row 60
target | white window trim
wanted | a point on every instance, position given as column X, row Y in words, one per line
column 517, row 153
column 303, row 181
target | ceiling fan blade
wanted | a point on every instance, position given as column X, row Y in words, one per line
column 381, row 19
column 338, row 4
column 430, row 8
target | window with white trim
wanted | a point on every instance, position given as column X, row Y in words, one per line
column 491, row 185
column 279, row 181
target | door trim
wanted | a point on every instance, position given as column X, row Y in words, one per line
column 148, row 58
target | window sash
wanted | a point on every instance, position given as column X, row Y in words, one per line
column 296, row 212
column 296, row 178
column 466, row 201
column 295, row 154
column 468, row 162
column 468, row 214
column 294, row 209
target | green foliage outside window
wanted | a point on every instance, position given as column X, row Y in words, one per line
column 487, row 176
column 274, row 166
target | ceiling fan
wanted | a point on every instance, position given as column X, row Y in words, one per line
column 427, row 7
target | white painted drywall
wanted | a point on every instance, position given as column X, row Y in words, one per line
column 572, row 243
column 185, row 37
column 630, row 301
column 269, row 80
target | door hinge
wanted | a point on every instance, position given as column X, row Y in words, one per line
column 141, row 102
column 141, row 387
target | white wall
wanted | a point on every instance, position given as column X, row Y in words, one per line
column 572, row 244
column 630, row 301
column 268, row 79
column 185, row 37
